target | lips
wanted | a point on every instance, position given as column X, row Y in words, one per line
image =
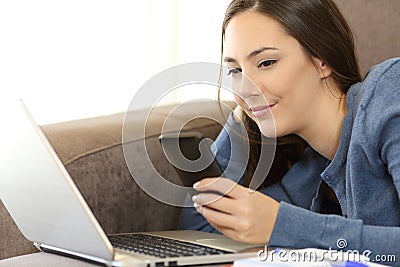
column 262, row 110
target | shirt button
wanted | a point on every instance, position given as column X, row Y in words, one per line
column 327, row 177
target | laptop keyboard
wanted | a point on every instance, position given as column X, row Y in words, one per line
column 160, row 246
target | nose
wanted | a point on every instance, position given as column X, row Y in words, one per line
column 245, row 87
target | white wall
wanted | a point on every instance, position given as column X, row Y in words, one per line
column 81, row 58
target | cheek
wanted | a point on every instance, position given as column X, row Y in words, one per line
column 282, row 82
column 293, row 86
column 240, row 101
column 301, row 93
column 294, row 89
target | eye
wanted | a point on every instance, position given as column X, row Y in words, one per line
column 234, row 71
column 267, row 63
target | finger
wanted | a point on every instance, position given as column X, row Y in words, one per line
column 216, row 217
column 222, row 222
column 216, row 202
column 221, row 185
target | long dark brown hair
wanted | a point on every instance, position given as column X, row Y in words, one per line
column 323, row 33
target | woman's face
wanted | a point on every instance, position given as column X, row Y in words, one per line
column 284, row 94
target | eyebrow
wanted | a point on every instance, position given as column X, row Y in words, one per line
column 252, row 54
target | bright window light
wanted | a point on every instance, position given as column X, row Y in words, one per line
column 84, row 58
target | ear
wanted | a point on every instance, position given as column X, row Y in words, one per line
column 324, row 70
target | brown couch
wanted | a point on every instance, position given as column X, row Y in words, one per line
column 92, row 153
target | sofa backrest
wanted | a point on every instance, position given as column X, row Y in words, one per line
column 376, row 25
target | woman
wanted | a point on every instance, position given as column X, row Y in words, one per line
column 300, row 55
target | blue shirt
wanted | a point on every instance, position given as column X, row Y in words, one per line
column 364, row 174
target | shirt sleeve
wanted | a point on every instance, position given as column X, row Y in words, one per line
column 390, row 146
column 333, row 232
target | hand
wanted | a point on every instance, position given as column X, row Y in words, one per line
column 241, row 214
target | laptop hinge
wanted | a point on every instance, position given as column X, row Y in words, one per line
column 72, row 254
column 37, row 245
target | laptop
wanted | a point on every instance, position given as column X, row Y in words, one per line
column 50, row 211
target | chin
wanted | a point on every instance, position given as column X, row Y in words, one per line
column 268, row 129
column 269, row 134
